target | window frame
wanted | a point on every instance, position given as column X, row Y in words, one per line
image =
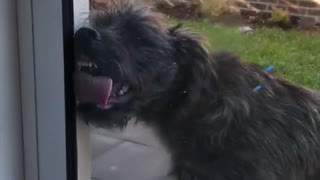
column 45, row 29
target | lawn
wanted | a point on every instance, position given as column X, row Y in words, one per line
column 295, row 55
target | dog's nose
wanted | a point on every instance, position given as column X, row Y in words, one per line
column 87, row 33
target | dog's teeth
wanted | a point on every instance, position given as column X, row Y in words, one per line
column 125, row 88
column 87, row 64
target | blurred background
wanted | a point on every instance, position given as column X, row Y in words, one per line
column 284, row 33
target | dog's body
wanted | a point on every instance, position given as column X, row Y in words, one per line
column 231, row 132
column 203, row 106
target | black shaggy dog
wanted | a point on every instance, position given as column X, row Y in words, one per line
column 129, row 64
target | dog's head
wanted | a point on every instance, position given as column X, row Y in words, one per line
column 127, row 62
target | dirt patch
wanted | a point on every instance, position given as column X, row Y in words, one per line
column 179, row 8
column 180, row 11
column 231, row 19
column 259, row 20
column 243, row 18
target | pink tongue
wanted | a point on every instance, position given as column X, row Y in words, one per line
column 91, row 89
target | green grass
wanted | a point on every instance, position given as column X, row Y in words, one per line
column 295, row 55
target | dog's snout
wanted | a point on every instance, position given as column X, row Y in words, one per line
column 87, row 33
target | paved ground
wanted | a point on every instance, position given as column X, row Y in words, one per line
column 134, row 154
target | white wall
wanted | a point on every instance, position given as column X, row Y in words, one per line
column 11, row 165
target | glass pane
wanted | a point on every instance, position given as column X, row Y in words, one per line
column 205, row 89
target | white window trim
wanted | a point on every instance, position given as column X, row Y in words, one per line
column 41, row 44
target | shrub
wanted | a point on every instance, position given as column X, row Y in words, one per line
column 213, row 8
column 279, row 16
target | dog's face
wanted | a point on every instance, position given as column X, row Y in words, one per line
column 125, row 60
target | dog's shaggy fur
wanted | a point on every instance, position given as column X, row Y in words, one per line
column 202, row 105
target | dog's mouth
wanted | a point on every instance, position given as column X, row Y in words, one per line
column 98, row 91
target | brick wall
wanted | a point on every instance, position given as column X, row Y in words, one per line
column 307, row 9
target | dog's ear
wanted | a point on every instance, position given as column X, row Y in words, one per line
column 191, row 54
column 194, row 62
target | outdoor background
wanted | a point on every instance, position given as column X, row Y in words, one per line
column 283, row 33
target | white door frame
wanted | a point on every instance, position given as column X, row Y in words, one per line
column 11, row 153
column 45, row 40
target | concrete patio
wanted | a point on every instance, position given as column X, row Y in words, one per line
column 134, row 154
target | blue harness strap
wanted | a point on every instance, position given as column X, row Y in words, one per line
column 259, row 87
